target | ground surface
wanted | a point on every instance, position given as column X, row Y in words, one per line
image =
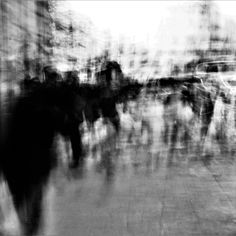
column 132, row 185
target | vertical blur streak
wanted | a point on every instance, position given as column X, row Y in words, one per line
column 25, row 48
column 26, row 34
column 25, row 37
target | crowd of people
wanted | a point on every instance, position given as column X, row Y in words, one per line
column 42, row 110
column 84, row 115
column 195, row 119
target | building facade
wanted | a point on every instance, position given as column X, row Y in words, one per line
column 25, row 43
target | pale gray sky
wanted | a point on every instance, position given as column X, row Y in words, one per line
column 136, row 18
column 142, row 20
column 227, row 8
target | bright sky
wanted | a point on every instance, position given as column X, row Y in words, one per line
column 137, row 18
column 227, row 8
column 140, row 19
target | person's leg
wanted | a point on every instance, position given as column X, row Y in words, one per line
column 76, row 145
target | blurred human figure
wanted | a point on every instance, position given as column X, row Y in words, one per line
column 178, row 120
column 207, row 111
column 110, row 86
column 72, row 78
column 171, row 123
column 26, row 158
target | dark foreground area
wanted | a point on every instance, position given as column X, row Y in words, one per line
column 154, row 165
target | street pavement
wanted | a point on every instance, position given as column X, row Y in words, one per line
column 134, row 184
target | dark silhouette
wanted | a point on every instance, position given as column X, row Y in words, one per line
column 26, row 155
column 43, row 110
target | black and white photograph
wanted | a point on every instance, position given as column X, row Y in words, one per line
column 117, row 118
